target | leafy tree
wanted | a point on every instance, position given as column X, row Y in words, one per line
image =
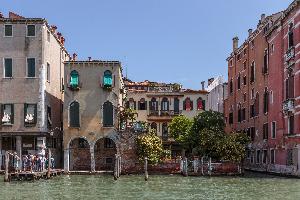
column 180, row 127
column 210, row 120
column 150, row 146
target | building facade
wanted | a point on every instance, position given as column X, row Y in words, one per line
column 92, row 98
column 157, row 103
column 217, row 89
column 263, row 92
column 31, row 91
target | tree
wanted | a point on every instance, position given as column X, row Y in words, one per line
column 149, row 145
column 180, row 127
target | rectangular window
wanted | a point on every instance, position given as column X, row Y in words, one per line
column 231, row 87
column 252, row 73
column 273, row 129
column 8, row 30
column 239, row 82
column 289, row 159
column 31, row 30
column 291, row 125
column 265, row 131
column 7, row 67
column 264, row 156
column 289, row 91
column 272, row 156
column 252, row 111
column 30, row 114
column 48, row 72
column 258, row 156
column 245, row 80
column 108, row 160
column 243, row 114
column 30, row 67
column 265, row 67
column 7, row 114
column 230, row 118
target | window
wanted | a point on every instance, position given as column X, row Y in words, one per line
column 251, row 133
column 108, row 114
column 176, row 106
column 7, row 67
column 245, row 65
column 239, row 113
column 243, row 114
column 273, row 130
column 252, row 93
column 30, row 67
column 252, row 111
column 258, row 156
column 187, row 104
column 153, row 104
column 291, row 125
column 290, row 36
column 272, row 156
column 238, row 56
column 231, row 86
column 271, row 97
column 266, row 101
column 132, row 104
column 30, row 114
column 142, row 104
column 252, row 44
column 8, row 30
column 109, row 160
column 83, row 143
column 109, row 143
column 107, row 79
column 165, row 104
column 252, row 72
column 265, row 131
column 31, row 30
column 245, row 51
column 256, row 105
column 289, row 87
column 289, row 159
column 245, row 80
column 264, row 156
column 265, row 67
column 230, row 118
column 272, row 48
column 165, row 131
column 154, row 126
column 7, row 114
column 230, row 62
column 245, row 97
column 49, row 118
column 239, row 82
column 74, row 113
column 200, row 104
column 74, row 79
column 48, row 72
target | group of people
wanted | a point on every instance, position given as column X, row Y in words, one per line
column 36, row 162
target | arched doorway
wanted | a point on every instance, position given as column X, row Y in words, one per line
column 105, row 150
column 80, row 156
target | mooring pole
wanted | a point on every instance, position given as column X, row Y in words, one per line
column 185, row 167
column 6, row 176
column 202, row 162
column 49, row 163
column 146, row 169
column 116, row 167
column 119, row 166
column 209, row 167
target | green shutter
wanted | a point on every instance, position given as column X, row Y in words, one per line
column 74, row 79
column 107, row 79
column 74, row 115
column 107, row 114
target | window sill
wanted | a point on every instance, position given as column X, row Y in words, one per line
column 8, row 78
column 107, row 127
column 29, row 125
column 7, row 36
column 8, row 124
column 31, row 77
column 30, row 36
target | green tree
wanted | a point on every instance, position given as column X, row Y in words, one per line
column 149, row 145
column 180, row 127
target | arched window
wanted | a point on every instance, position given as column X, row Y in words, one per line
column 142, row 104
column 107, row 79
column 74, row 79
column 200, row 104
column 266, row 101
column 165, row 131
column 132, row 104
column 252, row 72
column 108, row 114
column 187, row 104
column 256, row 105
column 153, row 104
column 154, row 126
column 176, row 106
column 165, row 104
column 74, row 120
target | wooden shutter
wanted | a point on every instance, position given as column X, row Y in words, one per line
column 107, row 114
column 74, row 114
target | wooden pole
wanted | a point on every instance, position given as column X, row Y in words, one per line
column 185, row 167
column 116, row 167
column 209, row 167
column 119, row 166
column 146, row 169
column 6, row 176
column 49, row 163
column 202, row 162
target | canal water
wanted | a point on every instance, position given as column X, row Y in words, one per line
column 251, row 186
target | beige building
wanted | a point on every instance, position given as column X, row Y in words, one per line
column 31, row 91
column 157, row 103
column 92, row 98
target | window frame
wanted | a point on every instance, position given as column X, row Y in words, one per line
column 4, row 31
column 274, row 156
column 69, row 116
column 12, row 115
column 27, row 25
column 27, row 58
column 4, row 68
column 30, row 124
column 48, row 75
column 273, row 129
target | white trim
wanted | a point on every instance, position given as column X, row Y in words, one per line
column 12, row 64
column 12, row 31
column 272, row 129
column 26, row 75
column 274, row 150
column 27, row 30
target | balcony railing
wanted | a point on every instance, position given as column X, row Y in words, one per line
column 164, row 113
column 288, row 105
column 290, row 53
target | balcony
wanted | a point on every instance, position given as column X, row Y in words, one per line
column 290, row 53
column 163, row 113
column 288, row 105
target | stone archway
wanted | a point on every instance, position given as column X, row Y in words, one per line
column 79, row 155
column 105, row 150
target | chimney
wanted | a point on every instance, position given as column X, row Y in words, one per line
column 210, row 80
column 90, row 58
column 262, row 17
column 202, row 83
column 250, row 31
column 74, row 57
column 235, row 43
column 12, row 15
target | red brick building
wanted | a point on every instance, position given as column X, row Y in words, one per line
column 264, row 92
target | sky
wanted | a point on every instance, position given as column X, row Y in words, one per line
column 183, row 41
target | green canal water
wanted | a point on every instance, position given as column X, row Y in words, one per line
column 251, row 186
